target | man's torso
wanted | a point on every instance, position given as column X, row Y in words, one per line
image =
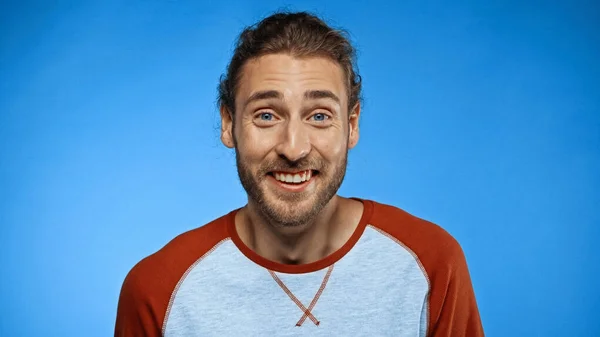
column 394, row 277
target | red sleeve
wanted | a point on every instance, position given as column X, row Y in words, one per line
column 453, row 308
column 141, row 310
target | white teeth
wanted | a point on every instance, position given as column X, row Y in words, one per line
column 293, row 178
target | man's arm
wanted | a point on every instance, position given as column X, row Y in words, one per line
column 456, row 312
column 139, row 310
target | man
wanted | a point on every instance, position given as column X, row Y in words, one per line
column 299, row 259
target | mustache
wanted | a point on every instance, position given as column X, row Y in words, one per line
column 284, row 164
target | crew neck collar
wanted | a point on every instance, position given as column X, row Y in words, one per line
column 308, row 267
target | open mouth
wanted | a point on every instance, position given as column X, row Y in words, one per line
column 297, row 178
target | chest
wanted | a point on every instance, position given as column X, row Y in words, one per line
column 336, row 301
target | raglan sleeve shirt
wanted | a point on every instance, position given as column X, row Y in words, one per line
column 450, row 307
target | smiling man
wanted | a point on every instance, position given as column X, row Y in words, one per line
column 298, row 259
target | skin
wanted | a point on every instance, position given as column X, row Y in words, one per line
column 291, row 114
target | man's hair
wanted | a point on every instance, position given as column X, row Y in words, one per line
column 298, row 34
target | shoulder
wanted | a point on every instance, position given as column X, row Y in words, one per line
column 149, row 285
column 434, row 248
column 452, row 308
column 173, row 259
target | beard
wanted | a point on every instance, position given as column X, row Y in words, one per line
column 291, row 209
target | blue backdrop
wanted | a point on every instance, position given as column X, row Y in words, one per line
column 482, row 117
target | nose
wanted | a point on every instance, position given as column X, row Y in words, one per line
column 295, row 141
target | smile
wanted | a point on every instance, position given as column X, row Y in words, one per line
column 294, row 178
column 293, row 181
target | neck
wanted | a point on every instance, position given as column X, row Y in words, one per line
column 300, row 244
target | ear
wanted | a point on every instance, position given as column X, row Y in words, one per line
column 353, row 125
column 227, row 127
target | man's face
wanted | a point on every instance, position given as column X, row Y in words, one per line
column 291, row 133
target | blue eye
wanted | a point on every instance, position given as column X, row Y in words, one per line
column 320, row 117
column 266, row 116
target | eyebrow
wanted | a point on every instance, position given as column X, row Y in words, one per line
column 320, row 94
column 274, row 94
column 266, row 94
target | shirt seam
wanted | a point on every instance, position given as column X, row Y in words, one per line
column 419, row 263
column 183, row 277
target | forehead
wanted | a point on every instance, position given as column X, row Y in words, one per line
column 292, row 76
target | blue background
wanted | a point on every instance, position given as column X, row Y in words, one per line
column 482, row 117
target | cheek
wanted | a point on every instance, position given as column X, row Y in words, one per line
column 253, row 146
column 331, row 148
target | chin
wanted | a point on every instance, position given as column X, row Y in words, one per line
column 290, row 213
